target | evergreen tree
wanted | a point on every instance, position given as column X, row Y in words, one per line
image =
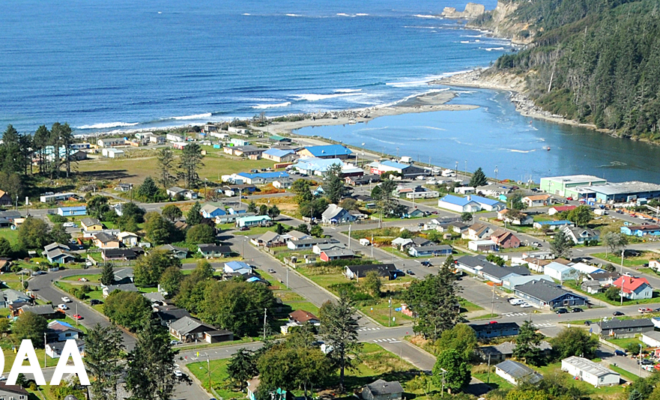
column 190, row 162
column 252, row 207
column 263, row 209
column 273, row 212
column 107, row 274
column 561, row 245
column 478, row 178
column 242, row 367
column 194, row 216
column 527, row 345
column 148, row 190
column 5, row 247
column 167, row 167
column 339, row 329
column 103, row 357
column 172, row 212
column 150, row 372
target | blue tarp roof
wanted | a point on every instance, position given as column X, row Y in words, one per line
column 329, row 150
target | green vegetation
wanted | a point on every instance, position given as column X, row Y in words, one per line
column 593, row 61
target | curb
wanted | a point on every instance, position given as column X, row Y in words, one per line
column 194, row 378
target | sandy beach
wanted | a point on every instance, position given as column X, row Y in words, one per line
column 429, row 102
column 515, row 84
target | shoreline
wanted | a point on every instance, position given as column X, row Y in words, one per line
column 427, row 102
column 515, row 85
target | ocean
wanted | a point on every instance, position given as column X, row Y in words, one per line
column 105, row 66
column 102, row 65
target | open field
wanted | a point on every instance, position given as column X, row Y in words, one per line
column 629, row 261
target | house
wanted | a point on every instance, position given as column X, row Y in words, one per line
column 362, row 180
column 60, row 331
column 360, row 271
column 58, row 256
column 176, row 191
column 255, row 220
column 486, row 203
column 538, row 200
column 188, row 329
column 279, row 139
column 309, row 243
column 299, row 318
column 591, row 287
column 464, row 190
column 168, row 314
column 651, row 339
column 123, row 276
column 503, row 351
column 128, row 239
column 634, row 288
column 336, row 254
column 54, row 349
column 336, row 215
column 214, row 251
column 560, row 272
column 118, row 254
column 55, row 197
column 327, row 151
column 9, row 217
column 505, row 239
column 402, row 243
column 405, row 170
column 620, row 328
column 586, row 269
column 604, row 278
column 11, row 296
column 297, row 235
column 580, row 235
column 279, row 155
column 382, row 390
column 517, row 373
column 13, row 392
column 520, row 219
column 237, row 267
column 501, row 329
column 541, row 293
column 496, row 274
column 552, row 225
column 319, row 248
column 252, row 152
column 482, row 245
column 512, row 280
column 316, row 166
column 654, row 265
column 218, row 335
column 124, row 287
column 47, row 311
column 478, row 231
column 239, row 142
column 472, row 264
column 110, row 142
column 434, row 250
column 55, row 246
column 558, row 209
column 283, row 183
column 103, row 240
column 91, row 224
column 458, row 204
column 5, row 199
column 72, row 211
column 154, row 297
column 269, row 239
column 641, row 230
column 124, row 187
column 113, row 153
column 590, row 372
column 494, row 190
column 211, row 211
column 258, row 178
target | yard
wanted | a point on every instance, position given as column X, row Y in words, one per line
column 10, row 234
column 375, row 363
column 629, row 261
column 603, row 298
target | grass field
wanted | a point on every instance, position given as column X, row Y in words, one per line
column 9, row 234
column 629, row 261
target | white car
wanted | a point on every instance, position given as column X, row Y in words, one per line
column 525, row 305
column 515, row 301
column 69, row 225
column 66, row 299
column 178, row 373
column 62, row 307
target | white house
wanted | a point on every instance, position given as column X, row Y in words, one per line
column 465, row 190
column 651, row 338
column 517, row 373
column 536, row 200
column 172, row 137
column 186, row 193
column 336, row 215
column 482, row 245
column 590, row 372
column 128, row 239
column 458, row 204
column 239, row 267
column 560, row 272
column 112, row 153
column 54, row 349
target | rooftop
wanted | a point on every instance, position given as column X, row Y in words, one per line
column 543, row 290
column 519, row 371
column 625, row 323
column 625, row 187
column 393, row 164
column 264, row 175
column 575, row 178
column 317, row 164
column 588, row 366
column 278, row 152
column 331, row 149
column 456, row 200
column 483, row 200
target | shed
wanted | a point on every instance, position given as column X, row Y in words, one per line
column 590, row 372
column 517, row 373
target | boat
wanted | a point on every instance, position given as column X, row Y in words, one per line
column 546, row 148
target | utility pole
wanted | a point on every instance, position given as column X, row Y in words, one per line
column 623, row 282
column 442, row 391
column 488, row 379
column 372, row 245
column 390, row 320
column 265, row 315
column 349, row 236
column 639, row 361
column 208, row 367
column 45, row 343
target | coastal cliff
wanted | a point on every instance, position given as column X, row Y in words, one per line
column 472, row 10
column 502, row 22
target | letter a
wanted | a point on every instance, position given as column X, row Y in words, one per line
column 70, row 350
column 26, row 351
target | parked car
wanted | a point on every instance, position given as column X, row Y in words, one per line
column 77, row 316
column 619, row 353
column 426, row 263
column 577, row 310
column 62, row 307
column 37, row 273
column 644, row 310
column 410, row 272
column 645, row 361
column 66, row 299
column 561, row 311
column 525, row 305
column 244, row 228
column 174, row 342
column 178, row 373
column 271, row 271
column 588, row 323
column 618, row 313
column 69, row 225
column 94, row 302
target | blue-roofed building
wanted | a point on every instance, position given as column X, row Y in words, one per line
column 487, row 204
column 327, row 151
column 72, row 211
column 260, row 178
column 316, row 166
column 552, row 224
column 237, row 267
column 641, row 230
column 459, row 204
column 406, row 170
column 279, row 155
column 212, row 211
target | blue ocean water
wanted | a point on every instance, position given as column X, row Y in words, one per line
column 126, row 64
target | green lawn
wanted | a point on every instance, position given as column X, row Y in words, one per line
column 586, row 387
column 603, row 298
column 493, row 380
column 625, row 342
column 629, row 261
column 9, row 234
column 630, row 377
column 467, row 306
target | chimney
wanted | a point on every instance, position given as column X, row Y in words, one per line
column 469, row 197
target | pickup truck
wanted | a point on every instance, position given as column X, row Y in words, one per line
column 644, row 310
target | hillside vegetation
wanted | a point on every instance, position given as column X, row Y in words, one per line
column 593, row 61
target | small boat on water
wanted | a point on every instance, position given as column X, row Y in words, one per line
column 546, row 148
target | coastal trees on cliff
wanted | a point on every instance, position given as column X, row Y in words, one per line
column 190, row 163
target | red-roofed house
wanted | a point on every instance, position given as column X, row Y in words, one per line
column 558, row 209
column 634, row 288
column 506, row 240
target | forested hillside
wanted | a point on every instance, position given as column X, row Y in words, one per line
column 594, row 61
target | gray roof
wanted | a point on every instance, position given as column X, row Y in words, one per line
column 39, row 310
column 475, row 261
column 652, row 334
column 501, row 272
column 104, row 237
column 507, row 348
column 56, row 245
column 56, row 253
column 418, row 242
column 297, row 234
column 269, row 236
column 154, row 296
column 339, row 252
column 169, row 247
column 588, row 366
column 90, row 221
column 381, row 387
column 12, row 295
column 60, row 345
column 543, row 290
column 187, row 324
column 127, row 287
column 625, row 323
column 519, row 372
column 314, row 241
column 438, row 247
